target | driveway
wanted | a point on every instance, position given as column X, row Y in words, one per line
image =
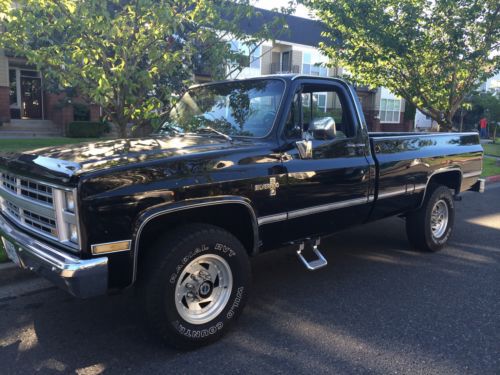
column 377, row 308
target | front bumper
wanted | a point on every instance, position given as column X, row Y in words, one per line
column 81, row 278
column 478, row 186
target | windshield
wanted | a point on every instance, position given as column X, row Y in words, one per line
column 246, row 108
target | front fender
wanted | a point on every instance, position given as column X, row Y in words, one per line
column 165, row 209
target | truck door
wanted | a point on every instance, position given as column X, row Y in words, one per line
column 325, row 158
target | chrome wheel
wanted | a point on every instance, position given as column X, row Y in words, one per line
column 203, row 289
column 439, row 218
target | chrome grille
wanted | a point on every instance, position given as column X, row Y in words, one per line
column 39, row 222
column 27, row 188
column 12, row 210
column 40, row 208
column 36, row 191
column 32, row 220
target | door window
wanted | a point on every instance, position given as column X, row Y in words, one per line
column 321, row 108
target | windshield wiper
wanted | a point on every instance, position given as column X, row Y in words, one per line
column 212, row 130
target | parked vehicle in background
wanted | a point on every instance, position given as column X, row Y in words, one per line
column 240, row 168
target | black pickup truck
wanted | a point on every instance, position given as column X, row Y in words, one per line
column 239, row 168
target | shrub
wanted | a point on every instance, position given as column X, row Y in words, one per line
column 85, row 129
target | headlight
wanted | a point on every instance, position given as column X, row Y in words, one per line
column 73, row 233
column 70, row 201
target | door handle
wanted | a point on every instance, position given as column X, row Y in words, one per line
column 352, row 145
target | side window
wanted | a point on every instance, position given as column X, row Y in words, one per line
column 322, row 110
column 324, row 114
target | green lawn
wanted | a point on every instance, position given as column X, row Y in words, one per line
column 492, row 149
column 490, row 167
column 33, row 143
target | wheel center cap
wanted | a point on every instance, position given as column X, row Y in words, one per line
column 205, row 289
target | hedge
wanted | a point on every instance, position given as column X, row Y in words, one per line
column 85, row 129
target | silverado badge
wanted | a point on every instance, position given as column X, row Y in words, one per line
column 272, row 186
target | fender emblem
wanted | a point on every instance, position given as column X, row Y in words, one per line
column 272, row 186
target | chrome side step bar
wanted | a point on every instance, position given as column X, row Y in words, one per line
column 313, row 265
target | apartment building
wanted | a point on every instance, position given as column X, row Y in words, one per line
column 295, row 50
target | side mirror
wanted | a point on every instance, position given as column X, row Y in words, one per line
column 323, row 128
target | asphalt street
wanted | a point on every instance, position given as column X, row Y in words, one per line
column 377, row 308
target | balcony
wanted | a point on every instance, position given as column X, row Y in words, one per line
column 276, row 68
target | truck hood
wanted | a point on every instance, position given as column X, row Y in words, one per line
column 64, row 162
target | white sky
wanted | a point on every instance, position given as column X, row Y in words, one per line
column 301, row 11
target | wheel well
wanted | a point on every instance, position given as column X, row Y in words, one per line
column 235, row 218
column 451, row 179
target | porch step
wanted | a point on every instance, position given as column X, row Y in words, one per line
column 5, row 134
column 30, row 125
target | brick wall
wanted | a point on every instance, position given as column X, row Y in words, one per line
column 4, row 70
column 372, row 120
column 4, row 104
column 95, row 112
column 54, row 111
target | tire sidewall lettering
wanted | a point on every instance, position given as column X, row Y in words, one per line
column 224, row 249
column 198, row 333
column 236, row 302
column 188, row 330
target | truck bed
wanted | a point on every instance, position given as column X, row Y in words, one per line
column 405, row 163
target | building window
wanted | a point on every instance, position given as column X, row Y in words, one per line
column 311, row 64
column 255, row 57
column 13, row 87
column 390, row 110
column 253, row 52
column 306, row 63
column 320, row 99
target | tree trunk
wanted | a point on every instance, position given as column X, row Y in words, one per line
column 122, row 129
column 462, row 115
column 445, row 125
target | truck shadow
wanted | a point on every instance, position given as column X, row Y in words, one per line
column 377, row 307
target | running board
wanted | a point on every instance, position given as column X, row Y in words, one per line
column 313, row 265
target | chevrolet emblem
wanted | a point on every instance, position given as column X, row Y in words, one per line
column 272, row 186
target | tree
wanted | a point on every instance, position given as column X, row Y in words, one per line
column 128, row 56
column 464, row 107
column 431, row 53
column 488, row 104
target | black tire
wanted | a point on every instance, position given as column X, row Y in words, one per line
column 419, row 223
column 171, row 255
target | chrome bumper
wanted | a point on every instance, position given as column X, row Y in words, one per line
column 80, row 277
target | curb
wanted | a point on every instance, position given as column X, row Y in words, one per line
column 493, row 178
column 11, row 273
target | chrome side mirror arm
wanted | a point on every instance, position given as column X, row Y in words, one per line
column 305, row 148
